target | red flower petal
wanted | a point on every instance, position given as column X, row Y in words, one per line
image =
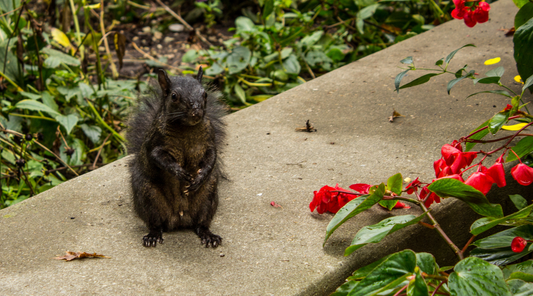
column 401, row 205
column 480, row 15
column 518, row 244
column 480, row 181
column 361, row 188
column 413, row 186
column 469, row 18
column 497, row 173
column 523, row 174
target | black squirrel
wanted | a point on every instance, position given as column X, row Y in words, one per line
column 175, row 135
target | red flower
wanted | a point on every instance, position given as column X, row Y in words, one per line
column 432, row 196
column 480, row 180
column 497, row 173
column 454, row 158
column 327, row 201
column 523, row 174
column 459, row 11
column 481, row 14
column 412, row 187
column 518, row 244
column 477, row 13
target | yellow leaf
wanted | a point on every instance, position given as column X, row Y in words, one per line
column 518, row 79
column 514, row 127
column 60, row 38
column 493, row 61
column 94, row 6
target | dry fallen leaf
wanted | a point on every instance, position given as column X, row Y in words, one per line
column 79, row 255
column 394, row 115
column 308, row 128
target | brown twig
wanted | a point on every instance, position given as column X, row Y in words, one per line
column 181, row 20
column 100, row 150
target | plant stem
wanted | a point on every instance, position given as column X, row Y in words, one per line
column 77, row 26
column 442, row 233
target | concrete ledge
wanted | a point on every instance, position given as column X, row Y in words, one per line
column 267, row 250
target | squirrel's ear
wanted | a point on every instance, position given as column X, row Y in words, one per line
column 200, row 74
column 164, row 81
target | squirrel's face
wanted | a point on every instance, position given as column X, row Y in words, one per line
column 188, row 109
column 185, row 98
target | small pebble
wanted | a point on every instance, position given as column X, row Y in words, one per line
column 176, row 27
column 147, row 29
column 168, row 39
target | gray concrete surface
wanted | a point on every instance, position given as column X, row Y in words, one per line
column 267, row 250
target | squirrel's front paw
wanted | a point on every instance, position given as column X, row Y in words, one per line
column 152, row 238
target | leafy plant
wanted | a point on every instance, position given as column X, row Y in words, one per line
column 409, row 273
column 284, row 43
column 59, row 117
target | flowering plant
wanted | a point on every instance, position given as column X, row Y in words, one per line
column 460, row 173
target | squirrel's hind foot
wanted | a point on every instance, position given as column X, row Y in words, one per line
column 152, row 238
column 208, row 238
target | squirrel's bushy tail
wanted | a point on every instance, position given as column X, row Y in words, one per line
column 141, row 121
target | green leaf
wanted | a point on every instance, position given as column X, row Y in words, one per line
column 312, row 39
column 418, row 286
column 215, row 69
column 480, row 135
column 420, row 80
column 394, row 183
column 190, row 56
column 522, row 148
column 427, row 263
column 238, row 59
column 240, row 93
column 68, row 121
column 12, row 70
column 367, row 11
column 522, row 270
column 92, row 132
column 408, row 60
column 30, row 95
column 244, row 24
column 448, row 187
column 496, row 72
column 504, row 238
column 353, row 208
column 36, row 106
column 497, row 121
column 523, row 55
column 499, row 256
column 486, row 223
column 55, row 58
column 398, row 79
column 520, row 287
column 523, row 15
column 487, row 80
column 520, row 3
column 388, row 274
column 497, row 92
column 286, row 52
column 49, row 100
column 364, row 271
column 528, row 82
column 452, row 54
column 454, row 81
column 375, row 233
column 473, row 276
column 345, row 289
column 518, row 201
column 439, row 62
column 291, row 65
column 268, row 8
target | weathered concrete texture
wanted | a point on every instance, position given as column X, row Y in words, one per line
column 269, row 250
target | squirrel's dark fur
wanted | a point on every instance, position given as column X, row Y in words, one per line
column 175, row 134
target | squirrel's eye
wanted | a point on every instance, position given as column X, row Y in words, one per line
column 174, row 96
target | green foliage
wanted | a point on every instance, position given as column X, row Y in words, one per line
column 56, row 116
column 523, row 39
column 287, row 42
